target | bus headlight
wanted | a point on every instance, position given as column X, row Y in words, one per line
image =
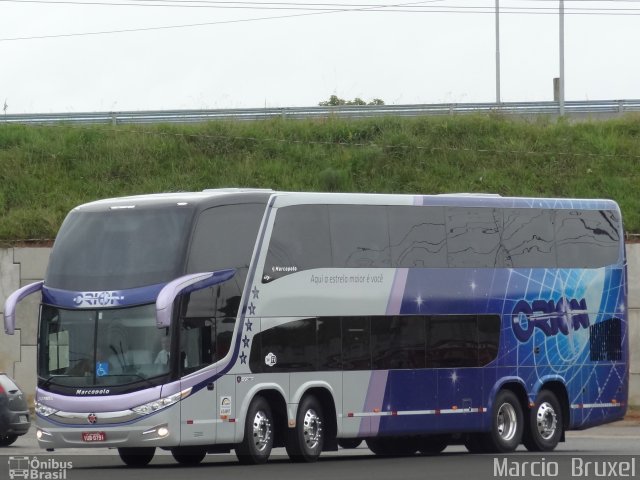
column 161, row 403
column 43, row 410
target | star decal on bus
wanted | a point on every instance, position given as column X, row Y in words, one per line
column 243, row 358
column 245, row 341
column 252, row 309
column 255, row 293
column 248, row 324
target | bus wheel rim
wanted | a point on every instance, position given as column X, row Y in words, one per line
column 547, row 420
column 507, row 422
column 261, row 431
column 312, row 429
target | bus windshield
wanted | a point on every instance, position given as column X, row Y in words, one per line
column 80, row 348
column 119, row 249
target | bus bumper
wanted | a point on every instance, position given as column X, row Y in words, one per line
column 161, row 429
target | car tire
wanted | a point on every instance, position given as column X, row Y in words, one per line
column 6, row 440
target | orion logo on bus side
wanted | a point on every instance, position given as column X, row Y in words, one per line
column 102, row 299
column 550, row 317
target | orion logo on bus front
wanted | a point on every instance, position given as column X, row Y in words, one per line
column 549, row 316
column 102, row 299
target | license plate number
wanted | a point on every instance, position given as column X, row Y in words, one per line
column 23, row 419
column 93, row 437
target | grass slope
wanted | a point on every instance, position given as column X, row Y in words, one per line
column 46, row 170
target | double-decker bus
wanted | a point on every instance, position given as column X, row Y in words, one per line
column 244, row 320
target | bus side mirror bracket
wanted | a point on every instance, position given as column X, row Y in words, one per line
column 12, row 302
column 186, row 284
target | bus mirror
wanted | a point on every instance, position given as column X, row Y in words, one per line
column 12, row 302
column 188, row 283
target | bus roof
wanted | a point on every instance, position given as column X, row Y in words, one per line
column 221, row 196
column 202, row 199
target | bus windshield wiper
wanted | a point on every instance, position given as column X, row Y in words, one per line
column 137, row 375
column 47, row 382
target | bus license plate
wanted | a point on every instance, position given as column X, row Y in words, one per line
column 23, row 419
column 93, row 437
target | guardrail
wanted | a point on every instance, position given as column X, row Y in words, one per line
column 575, row 109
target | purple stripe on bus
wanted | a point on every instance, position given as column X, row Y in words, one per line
column 375, row 396
column 397, row 291
column 96, row 403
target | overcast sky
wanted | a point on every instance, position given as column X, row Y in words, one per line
column 417, row 56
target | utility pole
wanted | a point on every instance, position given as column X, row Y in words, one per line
column 561, row 95
column 498, row 51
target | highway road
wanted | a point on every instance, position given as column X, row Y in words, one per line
column 602, row 446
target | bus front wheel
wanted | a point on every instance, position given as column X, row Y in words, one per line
column 137, row 457
column 258, row 434
column 306, row 440
column 545, row 423
column 507, row 423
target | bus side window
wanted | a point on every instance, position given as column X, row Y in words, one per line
column 299, row 241
column 528, row 238
column 223, row 334
column 473, row 237
column 196, row 346
column 359, row 236
column 452, row 341
column 356, row 352
column 418, row 236
column 587, row 238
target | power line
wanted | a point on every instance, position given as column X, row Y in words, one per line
column 326, row 6
column 411, row 7
column 219, row 22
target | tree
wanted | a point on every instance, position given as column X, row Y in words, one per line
column 335, row 101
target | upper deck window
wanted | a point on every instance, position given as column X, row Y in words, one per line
column 119, row 249
column 306, row 237
column 587, row 238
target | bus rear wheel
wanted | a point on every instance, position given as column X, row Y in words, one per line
column 507, row 423
column 256, row 446
column 306, row 440
column 137, row 457
column 188, row 455
column 545, row 424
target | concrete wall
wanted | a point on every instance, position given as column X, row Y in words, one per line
column 20, row 266
column 633, row 259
